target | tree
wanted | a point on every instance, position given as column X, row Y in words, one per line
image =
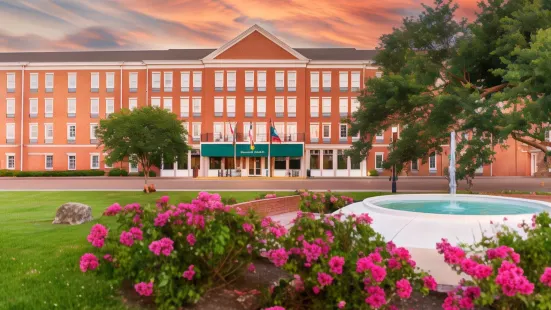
column 143, row 136
column 488, row 79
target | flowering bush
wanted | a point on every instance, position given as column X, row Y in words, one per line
column 174, row 253
column 265, row 196
column 508, row 271
column 322, row 202
column 340, row 263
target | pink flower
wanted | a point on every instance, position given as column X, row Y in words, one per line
column 162, row 218
column 333, row 199
column 164, row 199
column 341, row 304
column 126, row 239
column 376, row 297
column 251, row 268
column 364, row 219
column 278, row 257
column 267, row 221
column 335, row 264
column 88, row 261
column 394, row 264
column 311, row 251
column 269, row 196
column 136, row 233
column 512, row 281
column 324, row 279
column 189, row 273
column 248, row 227
column 108, row 257
column 164, row 246
column 401, row 253
column 97, row 235
column 136, row 219
column 546, row 277
column 275, row 308
column 363, row 264
column 278, row 231
column 113, row 209
column 375, row 257
column 404, row 288
column 430, row 283
column 316, row 290
column 534, row 217
column 378, row 273
column 144, row 289
column 191, row 239
column 503, row 252
column 298, row 283
column 133, row 207
column 452, row 255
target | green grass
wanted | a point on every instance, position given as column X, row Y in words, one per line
column 39, row 261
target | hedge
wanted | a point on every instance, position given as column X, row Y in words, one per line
column 70, row 173
column 117, row 172
column 152, row 174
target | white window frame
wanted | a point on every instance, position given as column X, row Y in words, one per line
column 197, row 80
column 416, row 163
column 72, row 80
column 326, row 76
column 231, row 77
column 341, row 137
column 291, row 131
column 378, row 74
column 260, row 132
column 218, row 81
column 48, row 107
column 249, row 80
column 132, row 103
column 291, row 81
column 343, row 106
column 196, row 131
column 261, row 106
column 94, row 81
column 10, row 107
column 168, row 81
column 109, row 106
column 355, row 77
column 46, row 162
column 280, row 80
column 218, row 106
column 380, row 136
column 279, row 104
column 33, row 81
column 314, row 107
column 291, row 106
column 196, row 105
column 315, row 81
column 249, row 106
column 109, row 80
column 33, row 136
column 8, row 155
column 69, row 125
column 69, row 161
column 280, row 130
column 93, row 128
column 133, row 81
column 326, row 106
column 316, row 133
column 47, row 127
column 230, row 106
column 218, row 131
column 435, row 167
column 343, row 81
column 184, row 81
column 10, row 81
column 246, row 128
column 133, row 167
column 10, row 131
column 92, row 155
column 156, row 81
column 94, row 106
column 354, row 105
column 261, row 80
column 33, row 107
column 184, row 106
column 323, row 126
column 156, row 102
column 382, row 154
column 49, row 82
column 167, row 103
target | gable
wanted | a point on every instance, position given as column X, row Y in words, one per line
column 256, row 46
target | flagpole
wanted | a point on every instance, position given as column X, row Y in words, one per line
column 269, row 148
column 235, row 147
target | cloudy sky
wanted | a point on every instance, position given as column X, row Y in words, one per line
column 43, row 25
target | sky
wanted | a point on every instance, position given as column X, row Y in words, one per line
column 60, row 25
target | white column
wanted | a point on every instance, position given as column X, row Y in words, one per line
column 348, row 164
column 363, row 168
column 335, row 162
column 321, row 162
column 175, row 168
column 286, row 166
column 189, row 168
column 246, row 172
column 305, row 164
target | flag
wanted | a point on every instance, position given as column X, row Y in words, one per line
column 273, row 134
column 251, row 136
column 232, row 133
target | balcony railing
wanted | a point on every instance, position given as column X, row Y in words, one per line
column 240, row 137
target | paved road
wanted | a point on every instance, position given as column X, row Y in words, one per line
column 405, row 184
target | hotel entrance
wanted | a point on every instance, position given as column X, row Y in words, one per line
column 255, row 166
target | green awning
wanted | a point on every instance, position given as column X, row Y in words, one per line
column 260, row 150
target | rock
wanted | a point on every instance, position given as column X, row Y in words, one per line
column 73, row 213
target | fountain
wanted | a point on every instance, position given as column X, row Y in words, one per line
column 451, row 169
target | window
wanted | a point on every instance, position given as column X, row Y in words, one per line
column 10, row 107
column 94, row 161
column 380, row 136
column 10, row 161
column 314, row 82
column 184, row 81
column 33, row 107
column 261, row 132
column 218, row 106
column 342, row 160
column 197, row 81
column 156, row 102
column 249, row 81
column 10, row 133
column 94, row 107
column 48, row 133
column 34, row 82
column 326, row 107
column 231, row 80
column 314, row 159
column 49, row 162
column 71, row 107
column 132, row 103
column 94, row 81
column 33, row 133
column 133, row 82
column 218, row 132
column 280, row 163
column 343, row 81
column 291, row 132
column 156, row 82
column 314, row 132
column 184, row 106
column 249, row 106
column 247, row 129
column 379, row 157
column 343, row 106
column 109, row 106
column 291, row 106
column 280, row 80
column 261, row 80
column 292, row 81
column 326, row 132
column 93, row 137
column 326, row 81
column 10, row 81
column 167, row 81
column 48, row 107
column 280, row 131
column 415, row 165
column 72, row 162
column 71, row 132
column 133, row 167
column 327, row 159
column 72, row 82
column 279, row 106
column 110, row 81
column 219, row 81
column 378, row 74
column 355, row 105
column 343, row 132
column 49, row 82
column 355, row 81
column 432, row 162
column 196, row 131
column 215, row 163
column 230, row 106
column 167, row 104
column 314, row 107
column 547, row 136
column 261, row 106
column 196, row 101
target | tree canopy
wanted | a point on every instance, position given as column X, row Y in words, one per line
column 144, row 136
column 489, row 78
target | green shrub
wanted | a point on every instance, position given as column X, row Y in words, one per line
column 117, row 172
column 152, row 174
column 228, row 201
column 7, row 173
column 322, row 202
column 373, row 173
column 68, row 173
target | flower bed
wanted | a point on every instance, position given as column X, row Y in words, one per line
column 322, row 202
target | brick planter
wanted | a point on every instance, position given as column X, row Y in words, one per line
column 272, row 206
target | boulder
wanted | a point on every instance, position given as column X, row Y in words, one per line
column 73, row 213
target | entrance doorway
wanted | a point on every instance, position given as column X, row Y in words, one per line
column 533, row 164
column 255, row 166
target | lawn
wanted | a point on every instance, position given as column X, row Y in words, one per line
column 39, row 261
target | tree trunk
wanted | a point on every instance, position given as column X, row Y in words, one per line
column 146, row 174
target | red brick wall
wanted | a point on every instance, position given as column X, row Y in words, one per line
column 273, row 206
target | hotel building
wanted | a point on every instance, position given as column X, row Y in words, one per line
column 53, row 101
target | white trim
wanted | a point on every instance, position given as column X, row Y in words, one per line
column 69, row 161
column 171, row 63
column 7, row 161
column 46, row 160
column 382, row 161
column 7, row 146
column 91, row 161
column 255, row 64
column 337, row 66
column 39, row 154
column 60, row 145
column 246, row 33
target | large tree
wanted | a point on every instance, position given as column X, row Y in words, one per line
column 142, row 136
column 489, row 78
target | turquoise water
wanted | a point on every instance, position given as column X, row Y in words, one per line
column 464, row 207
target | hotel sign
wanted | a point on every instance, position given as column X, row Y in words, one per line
column 244, row 150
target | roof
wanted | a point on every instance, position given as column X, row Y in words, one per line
column 337, row 54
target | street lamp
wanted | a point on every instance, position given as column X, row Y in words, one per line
column 394, row 139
